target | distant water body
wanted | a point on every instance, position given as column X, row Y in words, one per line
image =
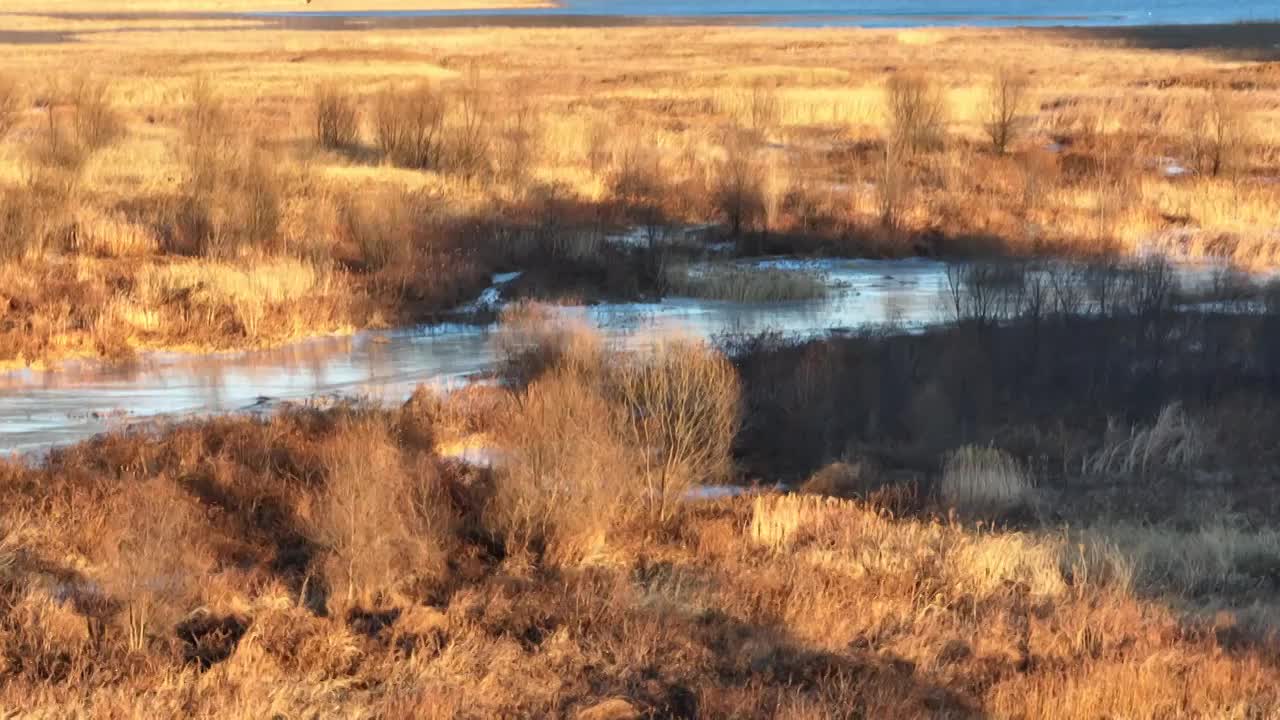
column 860, row 13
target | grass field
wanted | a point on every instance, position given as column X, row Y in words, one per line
column 139, row 146
column 1062, row 505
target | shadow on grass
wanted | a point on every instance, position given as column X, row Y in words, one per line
column 1258, row 41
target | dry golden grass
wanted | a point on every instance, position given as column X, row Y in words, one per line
column 781, row 131
column 242, row 567
column 76, row 308
column 253, row 6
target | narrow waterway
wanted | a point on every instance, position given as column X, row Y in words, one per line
column 41, row 408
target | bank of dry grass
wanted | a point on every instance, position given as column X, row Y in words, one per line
column 334, row 558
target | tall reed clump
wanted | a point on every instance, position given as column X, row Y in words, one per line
column 335, row 118
column 382, row 515
column 916, row 112
column 981, row 481
column 408, row 125
column 36, row 216
column 1173, row 441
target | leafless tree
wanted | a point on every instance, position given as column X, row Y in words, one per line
column 1006, row 98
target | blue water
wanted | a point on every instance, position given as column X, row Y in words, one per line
column 889, row 13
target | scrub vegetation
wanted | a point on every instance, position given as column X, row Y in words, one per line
column 1075, row 540
column 1058, row 504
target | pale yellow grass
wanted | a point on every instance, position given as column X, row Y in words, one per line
column 248, row 6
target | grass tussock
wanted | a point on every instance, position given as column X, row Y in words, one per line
column 984, row 481
column 746, row 284
column 1173, row 441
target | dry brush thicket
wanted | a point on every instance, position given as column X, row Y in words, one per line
column 339, row 559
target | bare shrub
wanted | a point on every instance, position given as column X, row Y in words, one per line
column 565, row 482
column 382, row 227
column 1149, row 287
column 893, row 188
column 57, row 147
column 988, row 292
column 381, row 516
column 982, row 480
column 675, row 405
column 469, row 137
column 408, row 125
column 233, row 202
column 1173, row 441
column 757, row 107
column 1006, row 100
column 96, row 122
column 335, row 118
column 1221, row 135
column 533, row 338
column 739, row 193
column 11, row 100
column 636, row 180
column 682, row 408
column 234, row 190
column 599, row 149
column 154, row 562
column 206, row 132
column 519, row 137
column 1270, row 292
column 37, row 215
column 916, row 113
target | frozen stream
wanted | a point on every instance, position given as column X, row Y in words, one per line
column 43, row 408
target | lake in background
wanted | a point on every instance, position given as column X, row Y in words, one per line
column 873, row 13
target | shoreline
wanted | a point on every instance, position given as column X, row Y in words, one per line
column 462, row 14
